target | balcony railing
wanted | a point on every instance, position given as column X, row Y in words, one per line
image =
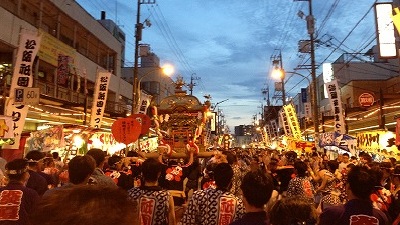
column 60, row 93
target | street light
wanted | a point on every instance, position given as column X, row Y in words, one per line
column 280, row 74
column 215, row 106
column 314, row 105
column 166, row 69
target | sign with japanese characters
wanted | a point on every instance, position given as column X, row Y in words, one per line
column 22, row 77
column 336, row 106
column 99, row 98
column 292, row 121
column 285, row 123
column 144, row 102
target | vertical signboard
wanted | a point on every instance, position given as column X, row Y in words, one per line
column 385, row 30
column 336, row 106
column 22, row 77
column 99, row 98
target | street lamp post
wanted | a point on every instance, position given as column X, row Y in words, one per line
column 138, row 38
column 167, row 70
column 313, row 92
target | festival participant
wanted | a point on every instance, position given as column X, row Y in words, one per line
column 35, row 165
column 153, row 204
column 394, row 209
column 293, row 211
column 85, row 205
column 174, row 173
column 98, row 177
column 17, row 201
column 329, row 185
column 345, row 161
column 215, row 206
column 381, row 197
column 257, row 189
column 238, row 172
column 80, row 168
column 285, row 172
column 122, row 178
column 359, row 208
column 301, row 186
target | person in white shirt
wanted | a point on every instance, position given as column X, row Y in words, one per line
column 345, row 162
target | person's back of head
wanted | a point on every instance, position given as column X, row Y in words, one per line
column 80, row 168
column 55, row 155
column 361, row 182
column 291, row 157
column 290, row 211
column 34, row 157
column 333, row 165
column 98, row 155
column 151, row 169
column 257, row 188
column 132, row 154
column 223, row 174
column 16, row 170
column 230, row 157
column 114, row 160
column 300, row 167
column 84, row 204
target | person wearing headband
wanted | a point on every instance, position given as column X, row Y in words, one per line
column 35, row 163
column 17, row 201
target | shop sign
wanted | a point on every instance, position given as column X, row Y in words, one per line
column 376, row 140
column 366, row 99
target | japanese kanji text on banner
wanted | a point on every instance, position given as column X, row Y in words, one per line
column 99, row 99
column 336, row 106
column 29, row 43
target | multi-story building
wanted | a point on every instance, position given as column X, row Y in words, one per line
column 88, row 46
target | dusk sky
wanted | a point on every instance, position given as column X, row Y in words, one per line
column 228, row 44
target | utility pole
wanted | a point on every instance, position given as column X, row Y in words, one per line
column 138, row 38
column 265, row 92
column 314, row 101
column 192, row 84
column 277, row 62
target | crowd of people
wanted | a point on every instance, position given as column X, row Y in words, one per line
column 237, row 186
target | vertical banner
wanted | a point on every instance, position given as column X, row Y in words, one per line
column 285, row 123
column 307, row 109
column 29, row 44
column 274, row 128
column 293, row 122
column 336, row 106
column 63, row 70
column 99, row 98
column 144, row 103
column 397, row 131
column 304, row 95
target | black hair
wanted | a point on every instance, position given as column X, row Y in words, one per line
column 98, row 155
column 346, row 154
column 113, row 160
column 301, row 168
column 223, row 174
column 332, row 165
column 361, row 182
column 55, row 155
column 151, row 169
column 16, row 169
column 34, row 156
column 132, row 154
column 257, row 188
column 80, row 167
column 230, row 157
column 293, row 211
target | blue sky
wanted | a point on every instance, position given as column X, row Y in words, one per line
column 228, row 44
